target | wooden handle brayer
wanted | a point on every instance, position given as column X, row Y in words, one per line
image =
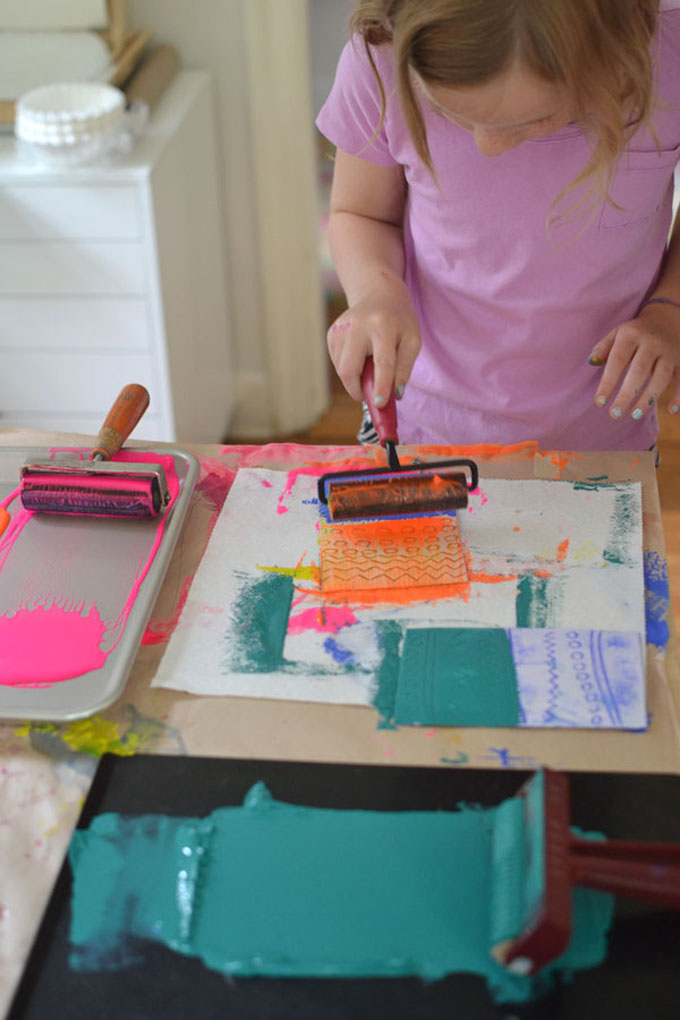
column 128, row 408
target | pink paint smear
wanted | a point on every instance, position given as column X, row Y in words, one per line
column 326, row 619
column 42, row 644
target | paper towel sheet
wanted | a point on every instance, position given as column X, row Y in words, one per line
column 559, row 555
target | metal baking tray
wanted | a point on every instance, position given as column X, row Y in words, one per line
column 85, row 560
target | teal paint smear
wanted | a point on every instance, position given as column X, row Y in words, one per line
column 657, row 599
column 590, row 484
column 535, row 602
column 261, row 616
column 389, row 634
column 457, row 676
column 623, row 521
column 282, row 890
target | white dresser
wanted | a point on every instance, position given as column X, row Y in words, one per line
column 116, row 274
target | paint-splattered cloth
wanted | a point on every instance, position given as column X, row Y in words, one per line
column 509, row 313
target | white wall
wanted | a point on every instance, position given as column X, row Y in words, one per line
column 328, row 21
column 276, row 328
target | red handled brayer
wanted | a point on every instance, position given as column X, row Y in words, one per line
column 100, row 487
column 534, row 873
column 399, row 488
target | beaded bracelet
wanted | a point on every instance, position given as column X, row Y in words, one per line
column 659, row 300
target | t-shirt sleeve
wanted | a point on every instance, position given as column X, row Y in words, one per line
column 351, row 114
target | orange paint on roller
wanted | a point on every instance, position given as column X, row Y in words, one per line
column 422, row 488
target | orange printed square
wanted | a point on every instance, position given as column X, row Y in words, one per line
column 415, row 552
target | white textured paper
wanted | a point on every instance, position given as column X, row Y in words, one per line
column 580, row 546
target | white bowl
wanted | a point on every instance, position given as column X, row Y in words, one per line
column 71, row 122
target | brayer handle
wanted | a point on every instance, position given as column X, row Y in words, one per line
column 384, row 418
column 130, row 405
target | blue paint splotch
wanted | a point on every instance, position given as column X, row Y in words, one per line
column 341, row 655
column 657, row 599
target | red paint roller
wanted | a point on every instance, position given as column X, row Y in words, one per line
column 426, row 488
column 99, row 486
column 537, row 863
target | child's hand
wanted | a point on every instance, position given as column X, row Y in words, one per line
column 643, row 357
column 383, row 323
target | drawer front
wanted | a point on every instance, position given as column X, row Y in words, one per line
column 93, row 324
column 66, row 383
column 69, row 212
column 72, row 268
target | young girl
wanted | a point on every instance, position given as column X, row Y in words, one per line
column 500, row 210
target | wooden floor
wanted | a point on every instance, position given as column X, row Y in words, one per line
column 339, row 426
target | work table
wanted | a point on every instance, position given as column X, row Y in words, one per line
column 46, row 770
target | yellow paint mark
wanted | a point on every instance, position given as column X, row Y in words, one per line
column 97, row 736
column 94, row 736
column 299, row 573
column 587, row 552
column 70, row 813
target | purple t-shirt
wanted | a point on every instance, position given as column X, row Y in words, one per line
column 508, row 312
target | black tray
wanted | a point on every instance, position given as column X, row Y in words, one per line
column 640, row 977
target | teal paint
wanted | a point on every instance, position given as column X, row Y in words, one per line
column 260, row 614
column 282, row 890
column 457, row 676
column 535, row 602
column 624, row 519
column 387, row 675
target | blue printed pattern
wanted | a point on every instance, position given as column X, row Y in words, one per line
column 584, row 678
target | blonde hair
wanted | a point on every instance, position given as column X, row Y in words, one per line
column 599, row 50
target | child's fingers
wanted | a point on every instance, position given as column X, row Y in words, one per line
column 348, row 358
column 618, row 358
column 599, row 353
column 407, row 352
column 641, row 380
column 649, row 396
column 673, row 405
column 384, row 361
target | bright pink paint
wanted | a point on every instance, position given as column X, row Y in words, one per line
column 43, row 645
column 484, row 499
column 325, row 619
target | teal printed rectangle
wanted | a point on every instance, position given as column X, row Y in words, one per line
column 457, row 676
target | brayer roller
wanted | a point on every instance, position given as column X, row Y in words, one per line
column 100, row 487
column 425, row 488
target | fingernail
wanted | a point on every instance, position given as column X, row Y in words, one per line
column 675, row 408
column 600, row 401
column 616, row 412
column 399, row 391
column 650, row 401
column 637, row 413
column 378, row 400
column 595, row 359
